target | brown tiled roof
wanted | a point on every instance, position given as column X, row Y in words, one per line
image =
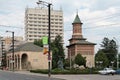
column 82, row 42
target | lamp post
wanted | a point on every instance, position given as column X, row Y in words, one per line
column 12, row 48
column 49, row 25
column 101, row 63
column 117, row 53
column 112, row 62
column 97, row 64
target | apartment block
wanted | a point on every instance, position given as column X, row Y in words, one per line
column 36, row 23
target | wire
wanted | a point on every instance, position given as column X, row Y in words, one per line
column 11, row 26
column 103, row 18
column 111, row 25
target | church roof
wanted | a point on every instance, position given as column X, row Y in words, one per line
column 82, row 42
column 85, row 42
column 77, row 19
column 28, row 47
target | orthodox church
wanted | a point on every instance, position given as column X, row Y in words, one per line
column 80, row 45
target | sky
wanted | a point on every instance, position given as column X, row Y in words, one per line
column 100, row 18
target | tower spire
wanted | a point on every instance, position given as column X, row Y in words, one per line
column 77, row 29
column 77, row 19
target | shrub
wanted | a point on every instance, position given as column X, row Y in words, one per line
column 72, row 71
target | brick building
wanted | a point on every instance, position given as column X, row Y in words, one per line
column 79, row 45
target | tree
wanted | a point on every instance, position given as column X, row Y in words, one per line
column 109, row 47
column 38, row 42
column 56, row 48
column 57, row 51
column 67, row 62
column 79, row 60
column 100, row 56
column 105, row 44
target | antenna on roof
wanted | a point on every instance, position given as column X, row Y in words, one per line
column 77, row 11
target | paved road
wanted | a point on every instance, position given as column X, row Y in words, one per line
column 79, row 77
column 25, row 75
column 88, row 77
column 7, row 75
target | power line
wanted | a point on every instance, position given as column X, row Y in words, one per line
column 11, row 26
column 93, row 19
column 102, row 26
column 99, row 19
column 97, row 26
column 103, row 18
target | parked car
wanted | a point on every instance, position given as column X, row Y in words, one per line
column 117, row 71
column 106, row 71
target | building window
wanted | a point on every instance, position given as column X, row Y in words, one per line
column 35, row 14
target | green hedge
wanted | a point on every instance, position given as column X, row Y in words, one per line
column 72, row 71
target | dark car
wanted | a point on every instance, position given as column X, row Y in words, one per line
column 117, row 71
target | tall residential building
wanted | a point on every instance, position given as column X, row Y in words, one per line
column 36, row 23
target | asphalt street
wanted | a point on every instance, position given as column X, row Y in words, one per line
column 26, row 75
column 7, row 75
column 88, row 77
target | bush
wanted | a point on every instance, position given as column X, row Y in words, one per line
column 72, row 71
column 39, row 71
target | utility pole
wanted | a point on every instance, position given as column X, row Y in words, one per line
column 117, row 52
column 49, row 29
column 49, row 56
column 12, row 48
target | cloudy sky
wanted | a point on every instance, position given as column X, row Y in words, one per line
column 101, row 18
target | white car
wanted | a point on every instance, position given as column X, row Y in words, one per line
column 107, row 71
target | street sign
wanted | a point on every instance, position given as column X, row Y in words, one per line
column 45, row 40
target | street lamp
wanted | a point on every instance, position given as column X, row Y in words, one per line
column 112, row 62
column 97, row 64
column 117, row 52
column 12, row 48
column 49, row 58
column 101, row 63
